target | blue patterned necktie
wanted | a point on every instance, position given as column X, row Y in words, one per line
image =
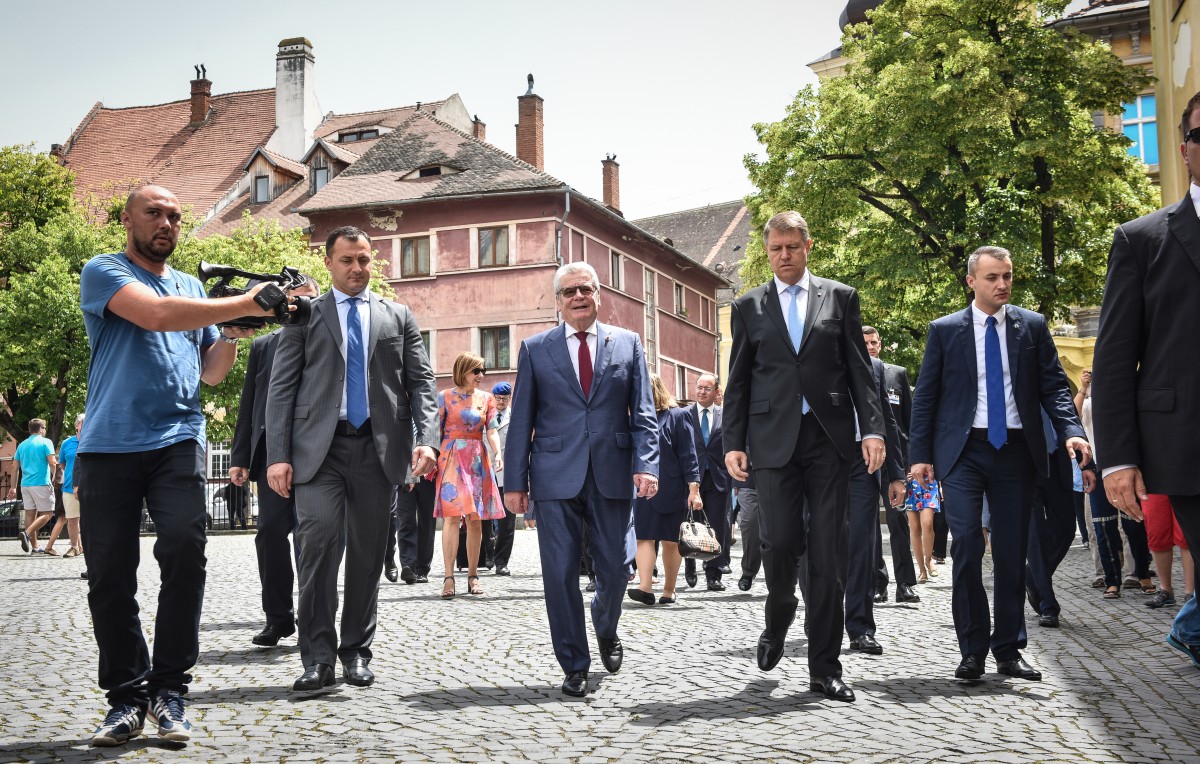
column 796, row 329
column 356, row 373
column 704, row 431
column 997, row 420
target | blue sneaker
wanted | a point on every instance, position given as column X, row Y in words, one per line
column 1192, row 653
column 167, row 711
column 124, row 721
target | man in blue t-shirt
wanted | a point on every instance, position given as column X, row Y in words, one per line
column 66, row 454
column 152, row 340
column 35, row 465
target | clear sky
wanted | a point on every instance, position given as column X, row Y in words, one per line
column 671, row 87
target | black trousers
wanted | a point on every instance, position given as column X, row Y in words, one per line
column 900, row 541
column 1051, row 532
column 413, row 527
column 748, row 525
column 112, row 489
column 817, row 475
column 276, row 520
column 941, row 530
column 506, row 528
column 862, row 521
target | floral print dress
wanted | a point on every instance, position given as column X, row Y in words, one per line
column 466, row 482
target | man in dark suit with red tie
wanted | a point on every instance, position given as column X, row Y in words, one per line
column 799, row 377
column 987, row 374
column 1145, row 403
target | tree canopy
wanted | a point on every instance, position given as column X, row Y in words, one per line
column 958, row 123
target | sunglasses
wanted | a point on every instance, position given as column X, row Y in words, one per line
column 1192, row 135
column 477, row 371
column 586, row 291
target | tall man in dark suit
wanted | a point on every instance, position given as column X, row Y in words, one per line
column 346, row 391
column 276, row 515
column 582, row 438
column 714, row 478
column 899, row 400
column 798, row 375
column 1145, row 403
column 987, row 374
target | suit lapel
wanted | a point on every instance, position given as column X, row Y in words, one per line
column 1012, row 338
column 773, row 309
column 556, row 346
column 966, row 332
column 604, row 355
column 1185, row 227
column 327, row 307
column 816, row 298
column 378, row 316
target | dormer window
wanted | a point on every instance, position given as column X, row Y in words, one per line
column 262, row 189
column 358, row 135
column 431, row 171
column 320, row 176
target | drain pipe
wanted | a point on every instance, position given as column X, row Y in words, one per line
column 558, row 257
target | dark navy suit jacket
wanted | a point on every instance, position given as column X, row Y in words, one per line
column 943, row 407
column 677, row 465
column 712, row 456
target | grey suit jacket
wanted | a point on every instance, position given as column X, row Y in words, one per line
column 308, row 377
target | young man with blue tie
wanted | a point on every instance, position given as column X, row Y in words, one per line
column 987, row 374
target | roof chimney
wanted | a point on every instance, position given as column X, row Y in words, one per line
column 297, row 113
column 479, row 129
column 201, row 97
column 612, row 183
column 529, row 128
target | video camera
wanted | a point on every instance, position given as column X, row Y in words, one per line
column 272, row 297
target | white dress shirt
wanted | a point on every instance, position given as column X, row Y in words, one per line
column 573, row 347
column 979, row 321
column 785, row 297
column 364, row 318
column 1194, row 190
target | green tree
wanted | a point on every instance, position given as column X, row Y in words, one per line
column 958, row 123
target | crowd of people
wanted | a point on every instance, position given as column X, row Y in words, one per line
column 357, row 457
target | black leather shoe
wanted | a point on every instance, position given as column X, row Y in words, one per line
column 611, row 652
column 726, row 570
column 770, row 650
column 970, row 668
column 745, row 582
column 689, row 577
column 272, row 633
column 503, row 571
column 355, row 672
column 1018, row 668
column 1049, row 621
column 833, row 688
column 407, row 575
column 637, row 595
column 904, row 593
column 866, row 644
column 315, row 678
column 575, row 684
column 391, row 573
column 880, row 595
column 591, row 586
column 420, row 578
column 716, row 586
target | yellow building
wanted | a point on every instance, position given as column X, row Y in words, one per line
column 1176, row 50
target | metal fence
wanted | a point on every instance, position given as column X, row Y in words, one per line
column 221, row 514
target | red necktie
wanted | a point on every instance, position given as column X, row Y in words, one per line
column 585, row 364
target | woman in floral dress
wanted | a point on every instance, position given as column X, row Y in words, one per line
column 922, row 504
column 466, row 477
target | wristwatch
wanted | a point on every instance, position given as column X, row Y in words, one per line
column 229, row 340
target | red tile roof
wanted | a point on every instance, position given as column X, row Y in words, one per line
column 154, row 144
column 280, row 208
column 393, row 118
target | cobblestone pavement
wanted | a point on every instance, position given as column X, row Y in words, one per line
column 474, row 679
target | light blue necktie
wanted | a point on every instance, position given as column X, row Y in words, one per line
column 997, row 420
column 796, row 328
column 704, row 431
column 356, row 373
